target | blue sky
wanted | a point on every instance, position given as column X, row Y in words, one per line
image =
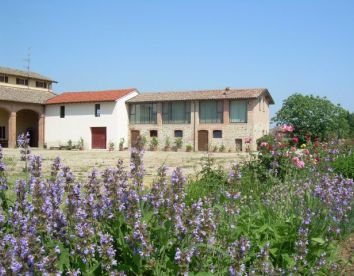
column 285, row 46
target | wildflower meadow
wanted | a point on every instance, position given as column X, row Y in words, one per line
column 282, row 212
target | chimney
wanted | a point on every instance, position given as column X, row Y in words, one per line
column 227, row 88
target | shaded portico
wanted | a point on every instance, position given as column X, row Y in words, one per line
column 22, row 110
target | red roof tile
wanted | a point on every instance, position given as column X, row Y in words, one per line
column 90, row 96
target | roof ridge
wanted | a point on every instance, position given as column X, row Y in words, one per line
column 98, row 91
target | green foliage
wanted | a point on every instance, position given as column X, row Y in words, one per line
column 313, row 115
column 178, row 143
column 209, row 182
column 350, row 119
column 111, row 146
column 167, row 143
column 70, row 145
column 154, row 143
column 222, row 148
column 344, row 165
column 121, row 144
column 189, row 147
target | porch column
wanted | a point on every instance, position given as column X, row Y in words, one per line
column 159, row 113
column 12, row 130
column 226, row 112
column 41, row 131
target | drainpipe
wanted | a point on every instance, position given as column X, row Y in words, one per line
column 193, row 125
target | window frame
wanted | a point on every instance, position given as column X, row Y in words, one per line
column 152, row 120
column 5, row 78
column 217, row 131
column 19, row 81
column 246, row 112
column 177, row 131
column 97, row 110
column 152, row 133
column 167, row 116
column 41, row 84
column 62, row 111
column 219, row 112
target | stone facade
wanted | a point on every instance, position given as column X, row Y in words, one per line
column 256, row 126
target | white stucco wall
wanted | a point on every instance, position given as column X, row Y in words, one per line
column 80, row 117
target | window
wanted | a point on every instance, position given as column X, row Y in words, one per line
column 211, row 112
column 178, row 112
column 21, row 81
column 217, row 134
column 2, row 132
column 178, row 133
column 4, row 78
column 41, row 84
column 62, row 111
column 238, row 111
column 153, row 133
column 97, row 110
column 143, row 113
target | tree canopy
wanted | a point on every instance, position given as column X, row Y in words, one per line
column 313, row 115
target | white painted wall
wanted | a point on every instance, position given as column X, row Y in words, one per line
column 80, row 117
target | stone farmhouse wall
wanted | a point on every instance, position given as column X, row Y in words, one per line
column 257, row 125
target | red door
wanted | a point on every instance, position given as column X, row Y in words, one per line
column 99, row 137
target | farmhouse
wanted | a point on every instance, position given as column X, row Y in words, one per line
column 230, row 118
column 22, row 104
column 96, row 117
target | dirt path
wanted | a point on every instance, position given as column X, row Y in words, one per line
column 82, row 162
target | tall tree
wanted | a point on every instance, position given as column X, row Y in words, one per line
column 351, row 124
column 313, row 116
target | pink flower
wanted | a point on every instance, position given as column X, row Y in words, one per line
column 287, row 128
column 295, row 140
column 264, row 144
column 298, row 162
column 306, row 151
column 248, row 140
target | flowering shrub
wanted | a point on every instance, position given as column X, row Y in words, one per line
column 233, row 223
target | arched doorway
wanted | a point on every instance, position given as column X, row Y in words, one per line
column 4, row 127
column 27, row 121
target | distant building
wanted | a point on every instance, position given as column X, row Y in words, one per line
column 234, row 118
column 22, row 99
column 98, row 117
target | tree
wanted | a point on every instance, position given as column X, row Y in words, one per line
column 351, row 124
column 313, row 116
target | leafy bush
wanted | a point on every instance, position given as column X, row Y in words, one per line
column 189, row 147
column 344, row 165
column 167, row 143
column 178, row 143
column 154, row 143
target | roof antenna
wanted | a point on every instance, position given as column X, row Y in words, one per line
column 28, row 61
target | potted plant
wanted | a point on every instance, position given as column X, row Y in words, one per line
column 178, row 143
column 121, row 144
column 189, row 148
column 154, row 143
column 70, row 145
column 111, row 146
column 81, row 144
column 167, row 143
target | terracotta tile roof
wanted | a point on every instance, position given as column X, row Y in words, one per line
column 25, row 74
column 24, row 95
column 227, row 93
column 90, row 96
